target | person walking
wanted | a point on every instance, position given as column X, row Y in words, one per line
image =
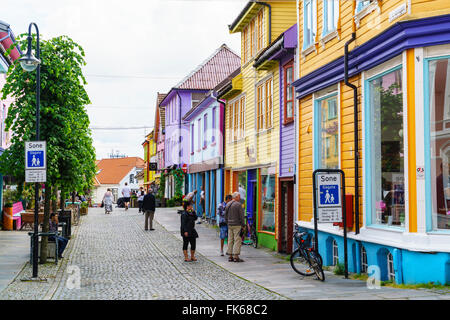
column 187, row 229
column 222, row 224
column 126, row 193
column 108, row 201
column 140, row 200
column 148, row 205
column 234, row 218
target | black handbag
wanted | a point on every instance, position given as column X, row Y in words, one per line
column 102, row 205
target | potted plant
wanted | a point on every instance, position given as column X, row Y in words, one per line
column 84, row 208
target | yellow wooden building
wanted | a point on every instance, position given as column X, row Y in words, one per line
column 252, row 115
column 392, row 58
column 149, row 156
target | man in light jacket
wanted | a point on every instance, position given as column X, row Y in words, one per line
column 235, row 219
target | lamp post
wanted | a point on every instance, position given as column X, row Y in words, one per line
column 30, row 63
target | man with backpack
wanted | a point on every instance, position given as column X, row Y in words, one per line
column 222, row 224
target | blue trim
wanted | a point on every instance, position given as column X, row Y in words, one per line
column 317, row 126
column 392, row 42
column 427, row 145
column 368, row 206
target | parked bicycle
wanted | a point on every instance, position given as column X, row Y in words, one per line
column 250, row 229
column 305, row 260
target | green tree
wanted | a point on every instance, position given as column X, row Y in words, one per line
column 64, row 122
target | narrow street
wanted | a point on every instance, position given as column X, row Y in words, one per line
column 117, row 259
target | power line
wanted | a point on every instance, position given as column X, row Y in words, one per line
column 120, row 128
column 131, row 76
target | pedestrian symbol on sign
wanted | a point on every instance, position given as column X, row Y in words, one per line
column 329, row 194
column 36, row 159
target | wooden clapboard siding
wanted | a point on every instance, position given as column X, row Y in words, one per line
column 284, row 15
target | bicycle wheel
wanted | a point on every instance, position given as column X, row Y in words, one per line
column 300, row 264
column 316, row 264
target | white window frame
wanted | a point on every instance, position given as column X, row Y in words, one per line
column 262, row 83
column 327, row 35
column 335, row 252
column 363, row 10
column 390, row 266
column 364, row 264
column 233, row 126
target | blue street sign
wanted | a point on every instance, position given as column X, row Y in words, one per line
column 35, row 159
column 329, row 195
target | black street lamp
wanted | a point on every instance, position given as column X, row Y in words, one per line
column 30, row 63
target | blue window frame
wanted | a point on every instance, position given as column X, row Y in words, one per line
column 437, row 143
column 309, row 23
column 326, row 133
column 384, row 169
column 330, row 16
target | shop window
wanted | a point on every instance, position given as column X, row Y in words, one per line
column 384, row 120
column 327, row 134
column 439, row 142
column 331, row 16
column 364, row 265
column 335, row 253
column 390, row 267
column 309, row 23
column 288, row 92
column 267, row 221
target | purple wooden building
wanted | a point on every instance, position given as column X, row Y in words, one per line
column 182, row 98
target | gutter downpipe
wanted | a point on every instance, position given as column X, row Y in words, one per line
column 356, row 128
column 270, row 19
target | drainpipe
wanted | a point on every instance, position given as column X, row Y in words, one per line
column 270, row 20
column 356, row 128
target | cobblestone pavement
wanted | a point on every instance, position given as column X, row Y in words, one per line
column 118, row 259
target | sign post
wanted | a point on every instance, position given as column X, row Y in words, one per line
column 329, row 203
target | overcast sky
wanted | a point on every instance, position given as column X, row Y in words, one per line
column 134, row 49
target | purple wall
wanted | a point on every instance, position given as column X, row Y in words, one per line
column 287, row 132
column 177, row 152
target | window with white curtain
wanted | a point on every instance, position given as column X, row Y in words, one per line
column 309, row 23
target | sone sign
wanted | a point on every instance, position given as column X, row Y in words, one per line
column 329, row 195
column 35, row 161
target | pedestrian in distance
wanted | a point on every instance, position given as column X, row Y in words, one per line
column 187, row 229
column 108, row 201
column 234, row 218
column 202, row 203
column 126, row 193
column 222, row 224
column 140, row 200
column 148, row 205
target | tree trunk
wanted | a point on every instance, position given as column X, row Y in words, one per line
column 62, row 197
column 45, row 225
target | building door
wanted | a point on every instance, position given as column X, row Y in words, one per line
column 286, row 220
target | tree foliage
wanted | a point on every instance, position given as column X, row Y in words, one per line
column 64, row 122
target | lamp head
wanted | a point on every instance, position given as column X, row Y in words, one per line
column 28, row 61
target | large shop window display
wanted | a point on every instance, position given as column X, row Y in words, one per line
column 268, row 203
column 387, row 149
column 439, row 112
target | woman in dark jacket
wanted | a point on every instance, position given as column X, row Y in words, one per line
column 188, row 231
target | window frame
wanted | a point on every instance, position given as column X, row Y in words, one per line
column 313, row 16
column 326, row 16
column 287, row 119
column 429, row 224
column 317, row 121
column 213, row 118
column 192, row 137
column 205, row 131
column 264, row 104
column 390, row 66
column 335, row 252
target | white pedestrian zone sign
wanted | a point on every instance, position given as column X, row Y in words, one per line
column 35, row 161
column 329, row 195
